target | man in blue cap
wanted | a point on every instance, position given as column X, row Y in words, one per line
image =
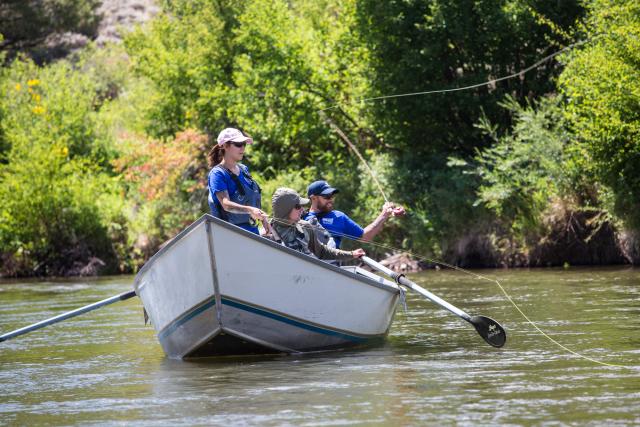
column 338, row 223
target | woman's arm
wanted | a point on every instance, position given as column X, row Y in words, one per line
column 233, row 207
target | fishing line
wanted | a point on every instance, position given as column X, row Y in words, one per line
column 458, row 89
column 355, row 150
column 478, row 276
column 444, row 264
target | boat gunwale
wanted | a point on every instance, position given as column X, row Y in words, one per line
column 210, row 218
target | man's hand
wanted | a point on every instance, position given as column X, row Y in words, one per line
column 387, row 210
column 399, row 211
column 391, row 209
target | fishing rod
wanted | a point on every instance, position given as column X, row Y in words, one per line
column 356, row 151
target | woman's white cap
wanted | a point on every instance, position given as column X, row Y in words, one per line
column 232, row 135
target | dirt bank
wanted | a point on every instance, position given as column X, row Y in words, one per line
column 569, row 238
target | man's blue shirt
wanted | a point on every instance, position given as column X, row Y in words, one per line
column 338, row 224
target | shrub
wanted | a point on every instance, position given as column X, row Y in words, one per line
column 602, row 85
column 166, row 189
column 53, row 184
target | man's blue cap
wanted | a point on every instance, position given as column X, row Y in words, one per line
column 320, row 188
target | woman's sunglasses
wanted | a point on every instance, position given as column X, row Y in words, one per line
column 238, row 144
column 297, row 206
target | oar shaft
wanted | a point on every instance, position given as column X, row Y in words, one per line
column 442, row 303
column 490, row 330
column 59, row 318
column 401, row 279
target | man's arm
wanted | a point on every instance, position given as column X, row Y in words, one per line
column 372, row 230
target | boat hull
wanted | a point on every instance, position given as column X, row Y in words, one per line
column 218, row 290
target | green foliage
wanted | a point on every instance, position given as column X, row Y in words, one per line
column 57, row 198
column 602, row 86
column 264, row 66
column 430, row 45
column 103, row 154
column 50, row 217
column 165, row 187
column 298, row 58
column 185, row 53
column 27, row 23
column 525, row 170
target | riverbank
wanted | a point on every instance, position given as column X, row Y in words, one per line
column 103, row 153
column 571, row 239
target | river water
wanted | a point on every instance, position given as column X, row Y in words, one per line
column 106, row 367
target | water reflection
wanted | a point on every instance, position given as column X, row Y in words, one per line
column 107, row 367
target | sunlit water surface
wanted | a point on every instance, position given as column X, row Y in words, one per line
column 107, row 367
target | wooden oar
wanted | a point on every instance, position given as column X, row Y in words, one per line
column 59, row 318
column 489, row 329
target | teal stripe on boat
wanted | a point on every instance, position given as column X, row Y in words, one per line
column 210, row 303
column 181, row 321
column 290, row 321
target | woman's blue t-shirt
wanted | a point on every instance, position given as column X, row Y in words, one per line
column 219, row 181
column 340, row 223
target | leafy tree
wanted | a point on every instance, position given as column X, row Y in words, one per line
column 525, row 169
column 186, row 54
column 267, row 67
column 602, row 85
column 431, row 45
column 27, row 23
column 428, row 45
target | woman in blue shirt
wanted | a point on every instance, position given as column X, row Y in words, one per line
column 233, row 195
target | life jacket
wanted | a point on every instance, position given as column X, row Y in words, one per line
column 243, row 196
column 299, row 242
column 322, row 233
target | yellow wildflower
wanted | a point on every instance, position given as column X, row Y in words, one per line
column 38, row 109
column 33, row 82
column 65, row 151
column 18, row 86
column 36, row 97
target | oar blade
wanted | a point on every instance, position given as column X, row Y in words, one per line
column 489, row 330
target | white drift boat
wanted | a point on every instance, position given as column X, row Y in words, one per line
column 216, row 289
